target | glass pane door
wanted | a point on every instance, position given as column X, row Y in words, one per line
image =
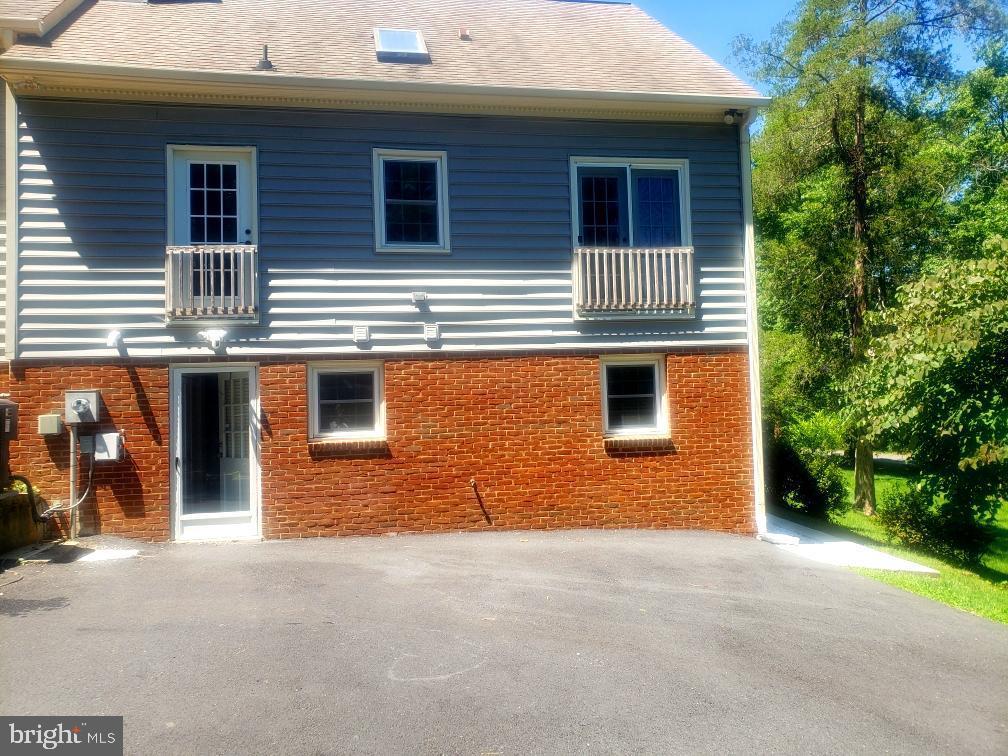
column 234, row 417
column 657, row 209
column 603, row 207
column 214, row 461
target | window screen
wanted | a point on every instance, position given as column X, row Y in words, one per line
column 346, row 402
column 411, row 201
column 631, row 397
column 625, row 206
column 603, row 206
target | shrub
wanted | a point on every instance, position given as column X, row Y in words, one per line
column 803, row 472
column 820, row 432
column 925, row 517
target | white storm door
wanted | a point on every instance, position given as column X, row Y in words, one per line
column 215, row 442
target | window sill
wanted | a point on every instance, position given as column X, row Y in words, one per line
column 363, row 444
column 348, row 448
column 639, row 443
column 412, row 250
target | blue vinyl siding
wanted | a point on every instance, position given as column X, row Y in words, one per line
column 92, row 230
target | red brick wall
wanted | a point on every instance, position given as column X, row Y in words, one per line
column 527, row 429
column 131, row 497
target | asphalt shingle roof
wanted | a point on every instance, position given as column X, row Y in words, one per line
column 524, row 44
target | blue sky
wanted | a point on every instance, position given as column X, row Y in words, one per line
column 712, row 26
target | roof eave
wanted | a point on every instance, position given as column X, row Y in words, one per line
column 40, row 26
column 52, row 75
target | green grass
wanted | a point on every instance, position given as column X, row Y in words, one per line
column 982, row 591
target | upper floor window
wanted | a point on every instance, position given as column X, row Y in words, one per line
column 411, row 201
column 627, row 202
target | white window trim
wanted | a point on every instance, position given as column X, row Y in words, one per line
column 177, row 152
column 681, row 166
column 379, row 155
column 661, row 427
column 377, row 369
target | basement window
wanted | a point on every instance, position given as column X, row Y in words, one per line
column 400, row 46
column 345, row 401
column 633, row 397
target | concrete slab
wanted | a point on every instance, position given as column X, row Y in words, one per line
column 830, row 549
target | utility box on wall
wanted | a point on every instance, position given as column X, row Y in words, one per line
column 108, row 447
column 82, row 406
column 50, row 425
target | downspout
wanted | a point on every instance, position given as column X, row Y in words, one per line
column 752, row 325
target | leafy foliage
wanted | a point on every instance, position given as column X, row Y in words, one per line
column 936, row 383
column 973, row 140
column 919, row 516
column 853, row 83
column 859, row 176
column 803, row 472
column 793, row 381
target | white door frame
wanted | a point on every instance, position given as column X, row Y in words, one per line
column 179, row 156
column 210, row 527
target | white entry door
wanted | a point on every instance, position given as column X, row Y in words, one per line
column 215, row 453
column 213, row 195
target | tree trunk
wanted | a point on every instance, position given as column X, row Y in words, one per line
column 864, row 463
column 864, row 477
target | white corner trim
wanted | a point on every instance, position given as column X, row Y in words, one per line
column 13, row 224
column 752, row 326
column 440, row 158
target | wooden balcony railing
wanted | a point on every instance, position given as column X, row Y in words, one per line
column 212, row 282
column 631, row 281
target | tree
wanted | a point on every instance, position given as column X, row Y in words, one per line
column 973, row 137
column 841, row 212
column 935, row 380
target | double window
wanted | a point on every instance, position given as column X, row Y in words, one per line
column 345, row 401
column 633, row 396
column 411, row 201
column 630, row 203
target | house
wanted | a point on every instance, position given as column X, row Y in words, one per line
column 341, row 267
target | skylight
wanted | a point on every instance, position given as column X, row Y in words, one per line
column 400, row 46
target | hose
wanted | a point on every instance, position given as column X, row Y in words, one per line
column 90, row 482
column 80, row 499
column 47, row 515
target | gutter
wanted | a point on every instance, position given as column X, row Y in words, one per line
column 268, row 81
column 752, row 326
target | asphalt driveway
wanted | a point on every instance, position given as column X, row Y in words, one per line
column 499, row 643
